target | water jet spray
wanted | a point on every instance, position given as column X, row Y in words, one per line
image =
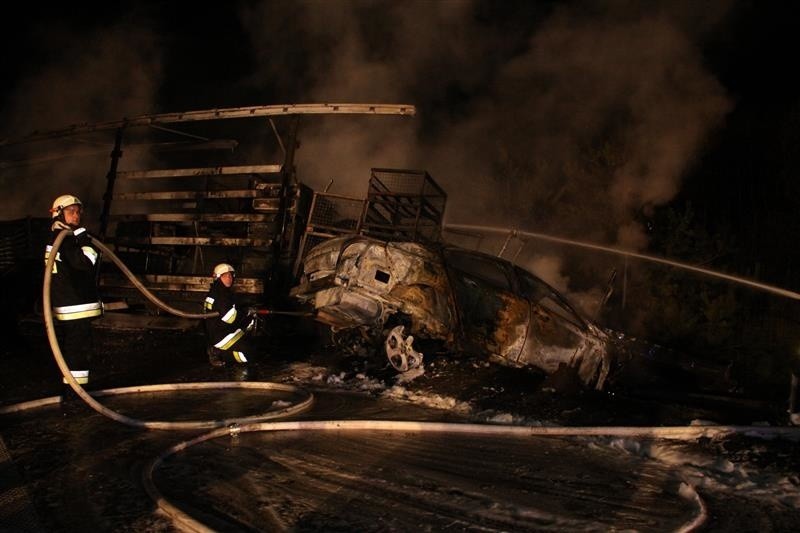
column 627, row 253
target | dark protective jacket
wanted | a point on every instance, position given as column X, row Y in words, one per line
column 231, row 325
column 73, row 285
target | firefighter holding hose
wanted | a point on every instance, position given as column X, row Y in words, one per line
column 74, row 295
column 227, row 341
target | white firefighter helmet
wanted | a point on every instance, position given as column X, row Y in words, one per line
column 65, row 200
column 221, row 268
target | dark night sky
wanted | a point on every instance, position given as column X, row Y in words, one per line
column 516, row 100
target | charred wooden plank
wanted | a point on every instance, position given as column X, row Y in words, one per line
column 187, row 195
column 269, row 205
column 195, row 217
column 182, row 283
column 193, row 241
column 199, row 172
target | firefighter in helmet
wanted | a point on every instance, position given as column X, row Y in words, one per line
column 226, row 333
column 73, row 289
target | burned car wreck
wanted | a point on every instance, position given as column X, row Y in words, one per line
column 407, row 296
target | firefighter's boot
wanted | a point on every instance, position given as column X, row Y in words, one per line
column 215, row 356
column 239, row 372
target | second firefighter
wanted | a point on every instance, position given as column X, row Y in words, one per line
column 227, row 333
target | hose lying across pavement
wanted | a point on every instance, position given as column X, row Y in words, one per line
column 185, row 521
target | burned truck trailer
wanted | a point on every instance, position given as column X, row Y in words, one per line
column 184, row 191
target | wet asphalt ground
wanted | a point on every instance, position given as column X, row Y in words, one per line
column 77, row 470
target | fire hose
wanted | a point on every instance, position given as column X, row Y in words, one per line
column 128, row 274
column 161, row 304
column 169, row 425
column 264, row 312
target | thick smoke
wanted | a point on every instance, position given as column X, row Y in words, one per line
column 578, row 121
column 572, row 118
column 90, row 76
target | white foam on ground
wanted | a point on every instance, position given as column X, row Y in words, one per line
column 698, row 468
column 709, row 472
column 428, row 399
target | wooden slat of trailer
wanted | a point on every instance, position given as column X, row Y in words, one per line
column 187, row 195
column 195, row 217
column 199, row 172
column 200, row 280
column 264, row 207
column 194, row 288
column 193, row 241
column 183, row 283
column 119, row 321
column 270, row 205
column 273, row 188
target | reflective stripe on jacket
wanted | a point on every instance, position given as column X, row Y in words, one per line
column 74, row 312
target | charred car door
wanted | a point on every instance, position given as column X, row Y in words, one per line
column 493, row 318
column 559, row 336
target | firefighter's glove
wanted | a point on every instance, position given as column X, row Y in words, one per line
column 251, row 325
